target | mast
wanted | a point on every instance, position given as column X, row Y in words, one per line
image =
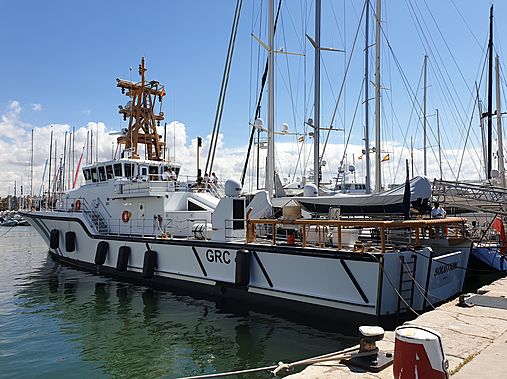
column 316, row 121
column 490, row 93
column 425, row 120
column 439, row 146
column 270, row 164
column 412, row 155
column 378, row 158
column 366, row 95
column 501, row 167
column 143, row 121
column 31, row 168
column 50, row 158
column 62, row 180
column 483, row 132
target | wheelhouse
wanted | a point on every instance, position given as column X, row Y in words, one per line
column 128, row 169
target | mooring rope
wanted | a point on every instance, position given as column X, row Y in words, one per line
column 8, row 230
column 348, row 353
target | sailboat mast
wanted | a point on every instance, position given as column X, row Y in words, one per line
column 270, row 164
column 425, row 119
column 439, row 145
column 316, row 121
column 50, row 159
column 366, row 95
column 378, row 174
column 490, row 93
column 501, row 167
column 31, row 169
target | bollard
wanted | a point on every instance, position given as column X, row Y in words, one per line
column 376, row 360
column 418, row 353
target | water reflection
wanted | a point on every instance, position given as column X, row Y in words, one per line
column 134, row 331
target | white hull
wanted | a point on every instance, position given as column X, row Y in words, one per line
column 345, row 282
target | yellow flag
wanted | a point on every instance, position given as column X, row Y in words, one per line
column 301, row 139
column 360, row 157
column 386, row 158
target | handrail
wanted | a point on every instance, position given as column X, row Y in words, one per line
column 384, row 226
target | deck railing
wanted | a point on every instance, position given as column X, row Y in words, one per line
column 419, row 229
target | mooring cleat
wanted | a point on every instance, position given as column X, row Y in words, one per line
column 371, row 359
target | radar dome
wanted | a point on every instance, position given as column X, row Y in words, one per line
column 232, row 188
column 310, row 190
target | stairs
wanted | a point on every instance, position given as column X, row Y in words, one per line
column 95, row 219
column 406, row 284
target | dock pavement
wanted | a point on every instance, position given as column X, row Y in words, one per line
column 474, row 340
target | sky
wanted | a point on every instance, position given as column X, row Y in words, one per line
column 60, row 61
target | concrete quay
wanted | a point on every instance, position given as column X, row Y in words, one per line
column 474, row 340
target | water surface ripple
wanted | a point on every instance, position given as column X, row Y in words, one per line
column 59, row 322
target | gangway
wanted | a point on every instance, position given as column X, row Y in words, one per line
column 471, row 197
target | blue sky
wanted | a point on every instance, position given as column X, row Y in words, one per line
column 60, row 60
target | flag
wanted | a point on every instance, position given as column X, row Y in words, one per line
column 77, row 169
column 360, row 157
column 301, row 139
column 499, row 227
column 386, row 158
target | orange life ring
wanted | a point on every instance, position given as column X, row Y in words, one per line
column 125, row 216
column 77, row 205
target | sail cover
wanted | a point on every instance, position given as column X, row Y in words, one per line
column 388, row 202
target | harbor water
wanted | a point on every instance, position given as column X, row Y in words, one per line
column 56, row 321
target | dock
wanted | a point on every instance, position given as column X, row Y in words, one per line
column 474, row 339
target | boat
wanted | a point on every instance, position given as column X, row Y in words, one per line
column 484, row 202
column 127, row 222
column 380, row 203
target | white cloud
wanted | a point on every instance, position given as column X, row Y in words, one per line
column 14, row 107
column 16, row 136
column 36, row 107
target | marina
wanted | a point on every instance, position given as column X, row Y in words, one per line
column 330, row 225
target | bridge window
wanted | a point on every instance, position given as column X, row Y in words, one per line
column 109, row 172
column 102, row 174
column 154, row 173
column 128, row 170
column 87, row 174
column 94, row 175
column 117, row 170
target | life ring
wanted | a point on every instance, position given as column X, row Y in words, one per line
column 125, row 216
column 77, row 205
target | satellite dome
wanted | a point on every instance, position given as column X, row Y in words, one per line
column 310, row 190
column 232, row 188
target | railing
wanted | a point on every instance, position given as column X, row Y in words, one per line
column 137, row 186
column 421, row 229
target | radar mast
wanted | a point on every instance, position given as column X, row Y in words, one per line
column 143, row 121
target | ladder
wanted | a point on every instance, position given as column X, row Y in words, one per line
column 406, row 284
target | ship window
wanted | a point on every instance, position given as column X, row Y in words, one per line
column 154, row 173
column 117, row 170
column 128, row 170
column 86, row 174
column 191, row 206
column 109, row 172
column 94, row 174
column 102, row 174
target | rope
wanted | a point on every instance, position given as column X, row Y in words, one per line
column 393, row 286
column 351, row 352
column 8, row 230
